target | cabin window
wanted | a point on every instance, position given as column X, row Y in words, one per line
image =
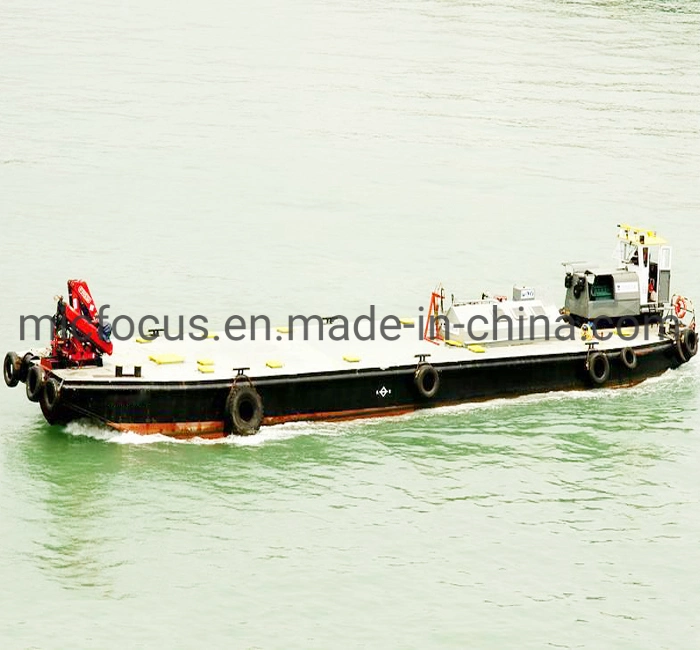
column 603, row 288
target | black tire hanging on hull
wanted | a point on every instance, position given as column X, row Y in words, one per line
column 11, row 369
column 25, row 365
column 244, row 410
column 681, row 354
column 52, row 403
column 51, row 397
column 427, row 381
column 629, row 358
column 689, row 343
column 599, row 368
column 35, row 383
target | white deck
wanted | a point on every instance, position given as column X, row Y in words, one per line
column 312, row 356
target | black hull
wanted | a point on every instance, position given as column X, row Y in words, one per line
column 194, row 408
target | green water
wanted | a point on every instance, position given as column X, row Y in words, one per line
column 217, row 158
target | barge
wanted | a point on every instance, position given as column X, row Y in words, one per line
column 618, row 327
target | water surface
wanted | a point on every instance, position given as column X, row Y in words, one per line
column 222, row 158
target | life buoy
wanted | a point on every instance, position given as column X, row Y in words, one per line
column 426, row 380
column 680, row 307
column 689, row 342
column 629, row 358
column 244, row 410
column 51, row 395
column 35, row 383
column 10, row 369
column 599, row 368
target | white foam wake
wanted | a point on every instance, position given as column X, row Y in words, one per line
column 88, row 429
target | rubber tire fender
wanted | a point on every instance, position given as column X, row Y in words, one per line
column 35, row 383
column 25, row 365
column 426, row 380
column 244, row 410
column 628, row 357
column 689, row 341
column 680, row 347
column 11, row 369
column 51, row 395
column 599, row 359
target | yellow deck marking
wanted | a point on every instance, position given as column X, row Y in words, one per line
column 160, row 359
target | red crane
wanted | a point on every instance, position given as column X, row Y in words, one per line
column 79, row 338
